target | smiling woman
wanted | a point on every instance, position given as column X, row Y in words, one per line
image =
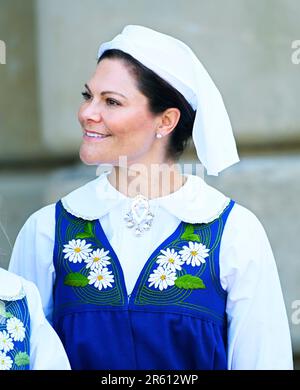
column 160, row 274
column 125, row 124
column 126, row 114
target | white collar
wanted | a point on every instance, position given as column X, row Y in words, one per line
column 194, row 202
column 11, row 286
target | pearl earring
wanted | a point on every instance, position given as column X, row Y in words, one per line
column 158, row 135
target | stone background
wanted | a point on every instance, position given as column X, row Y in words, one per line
column 51, row 51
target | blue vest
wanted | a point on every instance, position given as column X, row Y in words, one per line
column 174, row 318
column 15, row 335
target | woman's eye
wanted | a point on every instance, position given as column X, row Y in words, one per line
column 86, row 95
column 112, row 102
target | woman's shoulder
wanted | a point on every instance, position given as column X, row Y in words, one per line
column 43, row 217
column 42, row 221
column 242, row 220
column 244, row 239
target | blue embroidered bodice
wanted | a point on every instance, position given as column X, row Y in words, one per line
column 175, row 317
column 14, row 335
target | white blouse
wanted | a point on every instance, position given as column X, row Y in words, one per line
column 258, row 331
column 46, row 349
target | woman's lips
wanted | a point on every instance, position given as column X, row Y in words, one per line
column 93, row 136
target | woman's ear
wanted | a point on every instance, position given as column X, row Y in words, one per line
column 169, row 120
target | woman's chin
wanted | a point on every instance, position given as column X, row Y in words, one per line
column 88, row 158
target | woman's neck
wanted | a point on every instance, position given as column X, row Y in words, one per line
column 152, row 181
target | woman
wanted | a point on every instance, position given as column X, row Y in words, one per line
column 27, row 341
column 146, row 268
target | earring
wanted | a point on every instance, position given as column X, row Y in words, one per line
column 158, row 135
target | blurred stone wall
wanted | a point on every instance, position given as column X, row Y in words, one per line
column 246, row 45
column 19, row 109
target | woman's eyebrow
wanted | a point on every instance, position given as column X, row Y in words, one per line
column 116, row 93
column 105, row 92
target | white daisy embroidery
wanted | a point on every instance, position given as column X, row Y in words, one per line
column 16, row 329
column 194, row 254
column 162, row 278
column 97, row 259
column 77, row 250
column 6, row 343
column 170, row 260
column 101, row 278
column 5, row 362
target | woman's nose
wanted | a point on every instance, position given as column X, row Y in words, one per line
column 92, row 112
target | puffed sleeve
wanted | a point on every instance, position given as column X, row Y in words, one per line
column 32, row 256
column 258, row 330
column 46, row 349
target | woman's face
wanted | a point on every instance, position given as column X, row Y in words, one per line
column 115, row 118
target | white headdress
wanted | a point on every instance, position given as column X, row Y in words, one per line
column 176, row 63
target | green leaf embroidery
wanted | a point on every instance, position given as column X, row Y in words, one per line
column 2, row 308
column 21, row 359
column 88, row 231
column 82, row 235
column 3, row 312
column 76, row 279
column 189, row 282
column 189, row 235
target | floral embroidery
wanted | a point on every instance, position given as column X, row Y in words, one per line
column 162, row 278
column 6, row 343
column 101, row 278
column 98, row 259
column 16, row 329
column 170, row 259
column 77, row 250
column 194, row 254
column 12, row 332
column 5, row 362
column 170, row 262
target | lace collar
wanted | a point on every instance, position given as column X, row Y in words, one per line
column 194, row 202
column 11, row 286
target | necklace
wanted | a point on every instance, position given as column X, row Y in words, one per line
column 139, row 217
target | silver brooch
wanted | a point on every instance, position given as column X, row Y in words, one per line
column 139, row 217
